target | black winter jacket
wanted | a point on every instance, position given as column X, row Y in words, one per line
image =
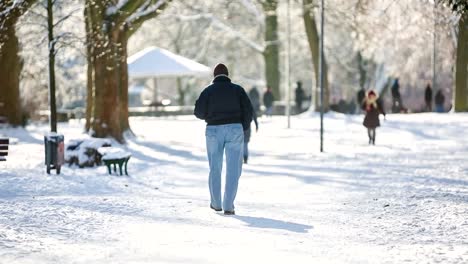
column 224, row 102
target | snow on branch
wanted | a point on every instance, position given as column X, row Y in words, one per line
column 250, row 6
column 215, row 22
column 146, row 11
column 9, row 9
column 113, row 10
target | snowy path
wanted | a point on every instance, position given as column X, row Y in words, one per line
column 404, row 200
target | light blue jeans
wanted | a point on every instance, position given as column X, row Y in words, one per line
column 439, row 108
column 219, row 139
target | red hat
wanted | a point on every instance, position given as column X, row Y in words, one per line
column 220, row 69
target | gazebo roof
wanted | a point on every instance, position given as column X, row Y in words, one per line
column 154, row 62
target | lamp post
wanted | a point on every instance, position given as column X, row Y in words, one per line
column 288, row 65
column 321, row 64
column 434, row 46
column 52, row 101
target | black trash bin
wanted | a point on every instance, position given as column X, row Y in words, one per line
column 54, row 152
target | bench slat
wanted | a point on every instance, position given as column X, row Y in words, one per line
column 3, row 147
column 3, row 153
column 4, row 141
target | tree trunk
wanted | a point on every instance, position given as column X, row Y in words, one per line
column 123, row 80
column 107, row 102
column 104, row 55
column 90, row 71
column 271, row 53
column 362, row 71
column 461, row 72
column 107, row 36
column 10, row 69
column 10, row 61
column 181, row 91
column 313, row 39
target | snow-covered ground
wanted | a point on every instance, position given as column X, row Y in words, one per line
column 403, row 200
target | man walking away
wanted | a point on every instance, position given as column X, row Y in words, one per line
column 299, row 92
column 268, row 99
column 439, row 101
column 428, row 98
column 227, row 110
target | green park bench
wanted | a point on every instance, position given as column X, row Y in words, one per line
column 4, row 143
column 112, row 156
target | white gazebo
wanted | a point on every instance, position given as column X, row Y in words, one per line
column 155, row 63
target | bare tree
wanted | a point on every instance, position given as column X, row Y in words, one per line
column 109, row 25
column 313, row 39
column 10, row 62
column 461, row 70
column 272, row 48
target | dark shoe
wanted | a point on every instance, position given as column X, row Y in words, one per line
column 216, row 209
column 245, row 159
column 230, row 212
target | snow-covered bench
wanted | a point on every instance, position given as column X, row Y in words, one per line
column 84, row 152
column 115, row 156
column 4, row 142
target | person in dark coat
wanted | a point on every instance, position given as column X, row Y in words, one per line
column 373, row 107
column 254, row 97
column 439, row 101
column 268, row 99
column 299, row 96
column 428, row 98
column 247, row 134
column 227, row 110
column 396, row 96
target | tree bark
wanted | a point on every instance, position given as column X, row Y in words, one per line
column 90, row 70
column 181, row 90
column 461, row 71
column 362, row 71
column 271, row 53
column 107, row 36
column 313, row 39
column 10, row 69
column 105, row 120
column 107, row 101
column 123, row 85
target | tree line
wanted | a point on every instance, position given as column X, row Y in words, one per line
column 110, row 23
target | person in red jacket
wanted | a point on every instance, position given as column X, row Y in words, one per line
column 372, row 105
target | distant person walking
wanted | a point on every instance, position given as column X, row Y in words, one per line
column 439, row 101
column 227, row 110
column 247, row 134
column 361, row 94
column 373, row 107
column 428, row 98
column 268, row 99
column 299, row 96
column 254, row 97
column 396, row 96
